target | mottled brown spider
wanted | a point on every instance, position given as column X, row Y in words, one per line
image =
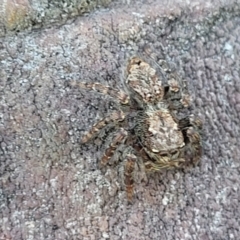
column 148, row 123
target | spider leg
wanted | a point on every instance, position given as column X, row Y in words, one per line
column 175, row 97
column 195, row 144
column 184, row 123
column 192, row 127
column 122, row 97
column 117, row 140
column 128, row 175
column 116, row 116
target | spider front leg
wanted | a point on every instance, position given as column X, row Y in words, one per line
column 175, row 97
column 120, row 96
column 116, row 116
column 117, row 140
column 128, row 175
column 195, row 144
column 192, row 128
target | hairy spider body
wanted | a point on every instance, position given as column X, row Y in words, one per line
column 161, row 138
column 155, row 133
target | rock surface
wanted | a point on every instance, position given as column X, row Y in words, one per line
column 51, row 186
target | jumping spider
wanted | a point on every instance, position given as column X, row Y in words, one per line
column 148, row 124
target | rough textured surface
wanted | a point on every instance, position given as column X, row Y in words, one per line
column 51, row 186
column 18, row 15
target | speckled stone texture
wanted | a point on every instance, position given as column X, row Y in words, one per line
column 18, row 15
column 51, row 186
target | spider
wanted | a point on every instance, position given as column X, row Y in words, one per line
column 147, row 122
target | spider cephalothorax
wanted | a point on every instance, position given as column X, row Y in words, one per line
column 152, row 99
